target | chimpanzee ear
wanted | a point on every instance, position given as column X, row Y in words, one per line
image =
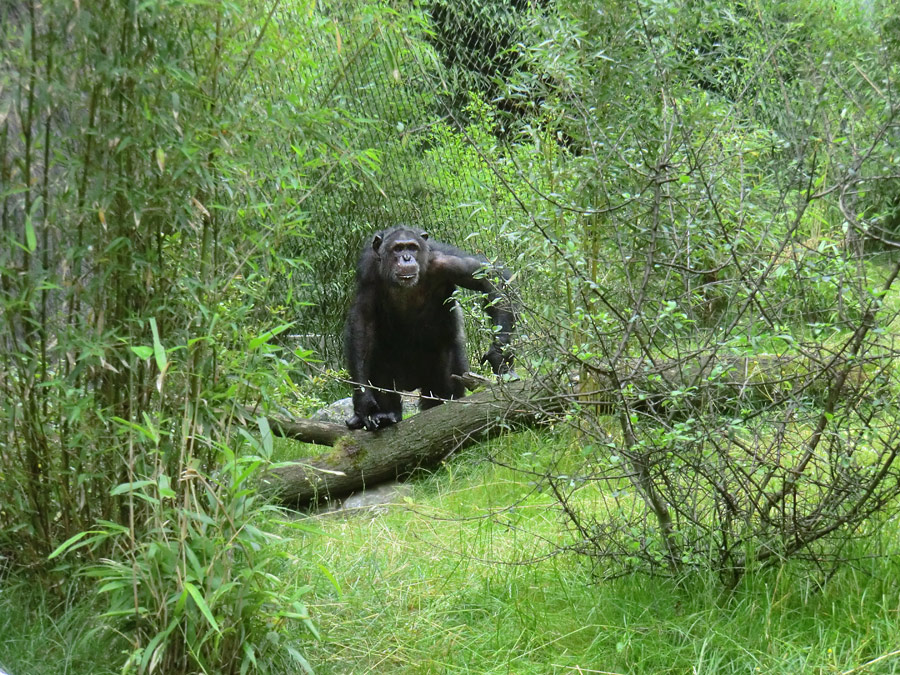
column 423, row 234
column 376, row 241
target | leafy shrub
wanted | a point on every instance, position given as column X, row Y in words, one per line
column 196, row 586
column 707, row 286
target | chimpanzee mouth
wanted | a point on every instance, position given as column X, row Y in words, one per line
column 407, row 279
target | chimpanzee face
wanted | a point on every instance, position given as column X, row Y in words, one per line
column 403, row 256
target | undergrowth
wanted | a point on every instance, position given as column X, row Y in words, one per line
column 42, row 633
column 451, row 580
column 467, row 573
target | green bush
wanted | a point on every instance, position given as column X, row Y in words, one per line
column 706, row 280
column 196, row 585
column 139, row 232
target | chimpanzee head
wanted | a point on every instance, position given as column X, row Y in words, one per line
column 402, row 255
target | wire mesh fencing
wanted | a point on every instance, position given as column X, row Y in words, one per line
column 401, row 90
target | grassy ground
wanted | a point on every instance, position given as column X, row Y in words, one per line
column 432, row 585
column 42, row 634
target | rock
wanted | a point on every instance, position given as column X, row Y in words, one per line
column 372, row 500
column 341, row 411
column 337, row 412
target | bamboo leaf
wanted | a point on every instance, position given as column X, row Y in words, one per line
column 298, row 657
column 128, row 487
column 30, row 238
column 161, row 360
column 201, row 603
column 70, row 543
column 268, row 335
column 265, row 433
column 158, row 641
column 142, row 351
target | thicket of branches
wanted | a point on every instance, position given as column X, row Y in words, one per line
column 681, row 188
column 713, row 188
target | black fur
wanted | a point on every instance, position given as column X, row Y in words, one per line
column 404, row 330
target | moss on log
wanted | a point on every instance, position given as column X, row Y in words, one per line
column 363, row 459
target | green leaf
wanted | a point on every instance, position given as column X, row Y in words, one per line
column 142, row 351
column 194, row 561
column 161, row 360
column 112, row 527
column 30, row 238
column 299, row 659
column 115, row 586
column 164, row 486
column 201, row 603
column 265, row 433
column 249, row 658
column 269, row 334
column 157, row 642
column 151, row 428
column 129, row 487
column 68, row 543
column 334, row 582
column 148, row 432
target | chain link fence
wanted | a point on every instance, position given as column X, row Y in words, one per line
column 405, row 87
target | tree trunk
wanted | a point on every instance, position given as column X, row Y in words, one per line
column 363, row 459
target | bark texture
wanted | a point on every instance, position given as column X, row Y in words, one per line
column 363, row 459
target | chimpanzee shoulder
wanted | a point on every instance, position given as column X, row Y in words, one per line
column 404, row 330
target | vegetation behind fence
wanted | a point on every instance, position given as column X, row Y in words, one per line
column 677, row 188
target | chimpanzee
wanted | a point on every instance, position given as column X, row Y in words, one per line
column 405, row 331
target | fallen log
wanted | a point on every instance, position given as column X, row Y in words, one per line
column 363, row 459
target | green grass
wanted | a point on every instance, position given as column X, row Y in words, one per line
column 441, row 583
column 434, row 585
column 43, row 634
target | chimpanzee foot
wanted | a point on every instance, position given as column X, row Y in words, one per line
column 373, row 422
column 386, row 419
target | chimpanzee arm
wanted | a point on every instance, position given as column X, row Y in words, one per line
column 359, row 340
column 478, row 274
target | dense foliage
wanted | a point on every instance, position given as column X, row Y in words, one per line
column 137, row 237
column 729, row 278
column 698, row 201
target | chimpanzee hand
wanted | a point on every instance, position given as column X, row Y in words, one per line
column 367, row 413
column 374, row 422
column 364, row 407
column 357, row 422
column 500, row 357
column 379, row 420
column 384, row 419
